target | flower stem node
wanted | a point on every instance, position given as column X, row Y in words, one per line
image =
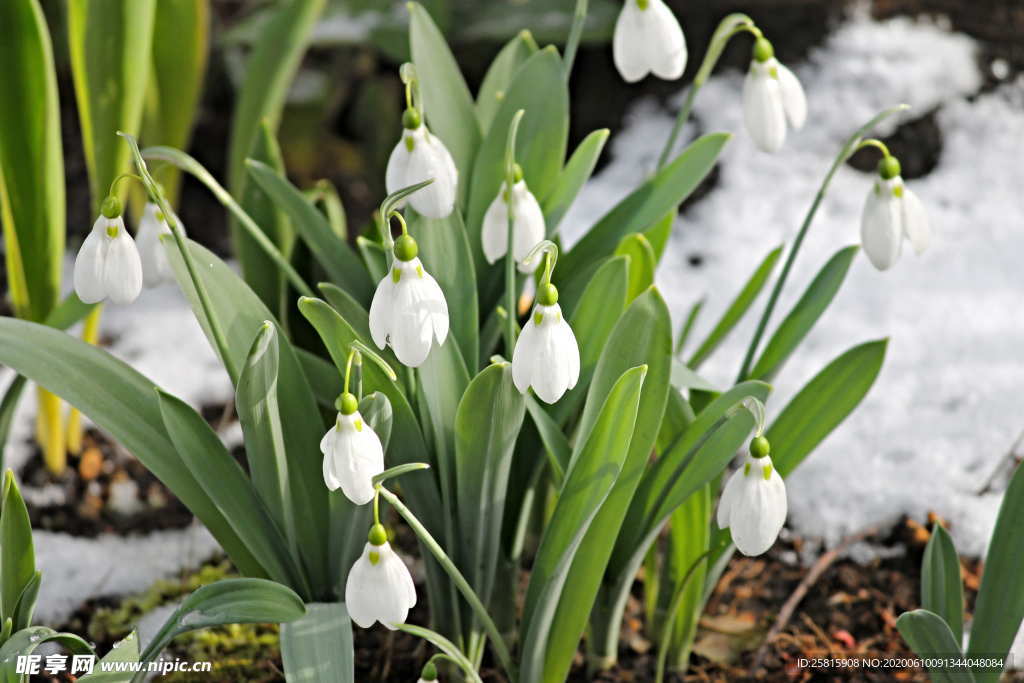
column 547, row 295
column 406, row 248
column 888, row 167
column 759, row 447
column 346, row 404
column 763, row 50
column 111, row 207
column 429, row 672
column 378, row 535
column 648, row 39
column 411, row 119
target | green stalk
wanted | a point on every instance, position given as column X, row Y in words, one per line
column 500, row 648
column 677, row 600
column 851, row 146
column 510, row 261
column 579, row 18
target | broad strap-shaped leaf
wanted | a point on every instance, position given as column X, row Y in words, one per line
column 737, row 309
column 121, row 402
column 550, row 434
column 642, row 263
column 999, row 608
column 587, row 486
column 499, row 77
column 573, row 177
column 930, row 638
column 25, row 642
column 823, row 404
column 317, row 648
column 645, row 205
column 658, row 233
column 805, row 313
column 17, row 553
column 689, row 538
column 444, row 645
column 942, row 588
column 124, row 650
column 31, row 161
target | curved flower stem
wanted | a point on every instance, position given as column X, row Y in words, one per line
column 510, row 261
column 727, row 28
column 450, row 651
column 220, row 341
column 500, row 648
column 579, row 18
column 670, row 615
column 852, row 144
column 352, row 353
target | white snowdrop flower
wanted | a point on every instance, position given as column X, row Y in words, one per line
column 420, row 156
column 379, row 586
column 772, row 99
column 108, row 264
column 527, row 229
column 408, row 310
column 156, row 269
column 892, row 212
column 546, row 356
column 753, row 505
column 648, row 39
column 353, row 454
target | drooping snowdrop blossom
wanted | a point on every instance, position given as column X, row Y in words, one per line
column 379, row 586
column 353, row 454
column 156, row 269
column 408, row 310
column 546, row 356
column 648, row 39
column 772, row 99
column 753, row 505
column 420, row 156
column 892, row 213
column 527, row 223
column 108, row 264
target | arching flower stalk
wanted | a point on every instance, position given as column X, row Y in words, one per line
column 108, row 264
column 546, row 355
column 892, row 213
column 648, row 39
column 773, row 99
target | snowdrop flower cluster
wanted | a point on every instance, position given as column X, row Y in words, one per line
column 108, row 264
column 772, row 99
column 156, row 269
column 892, row 212
column 353, row 454
column 648, row 39
column 379, row 586
column 420, row 156
column 408, row 310
column 527, row 218
column 753, row 505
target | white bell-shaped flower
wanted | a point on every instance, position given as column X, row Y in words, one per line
column 353, row 454
column 753, row 505
column 108, row 264
column 408, row 310
column 892, row 213
column 546, row 356
column 527, row 227
column 379, row 586
column 156, row 269
column 648, row 39
column 772, row 99
column 420, row 156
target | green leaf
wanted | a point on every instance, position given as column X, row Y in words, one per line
column 554, row 440
column 645, row 205
column 447, row 104
column 642, row 263
column 688, row 324
column 31, row 161
column 499, row 76
column 942, row 590
column 659, row 233
column 572, row 178
column 227, row 486
column 228, row 601
column 25, row 641
column 488, row 420
column 642, row 336
column 999, row 608
column 444, row 251
column 375, row 257
column 586, row 488
column 805, row 314
column 444, row 645
column 737, row 309
column 125, row 650
column 318, row 647
column 122, row 403
column 22, row 617
column 823, row 404
column 688, row 539
column 683, row 378
column 337, row 258
column 111, row 48
column 17, row 555
column 930, row 638
column 539, row 90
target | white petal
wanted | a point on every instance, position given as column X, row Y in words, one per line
column 570, row 352
column 494, row 234
column 399, row 593
column 728, row 498
column 628, row 41
column 666, row 45
column 794, row 101
column 412, row 324
column 524, row 355
column 436, row 305
column 89, row 265
column 381, row 308
column 758, row 512
column 361, row 590
column 155, row 267
column 395, row 176
column 915, row 221
column 528, row 230
column 762, row 108
column 430, row 159
column 880, row 232
column 551, row 367
column 122, row 272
